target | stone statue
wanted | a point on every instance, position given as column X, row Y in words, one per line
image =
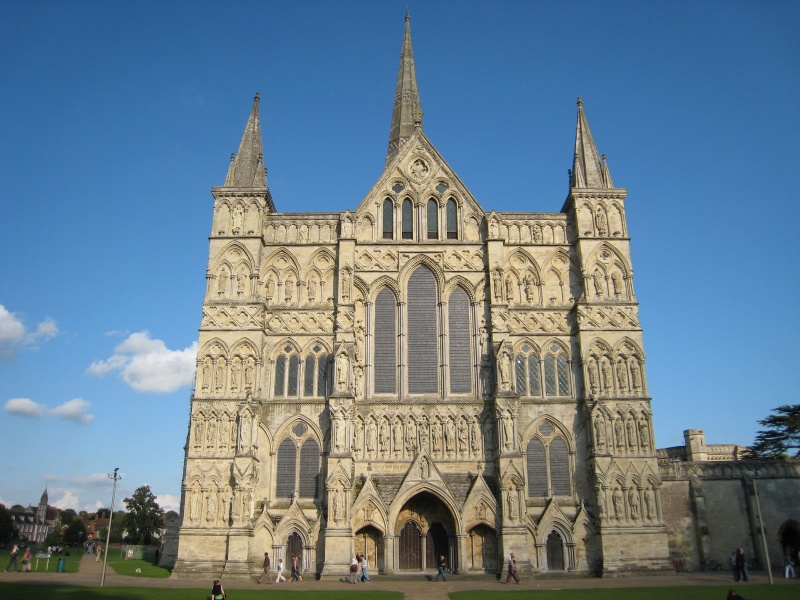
column 244, row 432
column 241, row 281
column 494, row 229
column 633, row 502
column 509, row 289
column 530, row 289
column 220, row 374
column 359, row 435
column 223, row 432
column 497, row 285
column 476, row 436
column 383, row 436
column 650, row 503
column 619, row 432
column 594, row 376
column 537, row 234
column 505, row 371
column 338, row 507
column 601, row 501
column 644, row 434
column 222, row 282
column 358, row 344
column 358, row 381
column 607, row 376
column 636, row 375
column 236, row 370
column 424, row 468
column 622, row 376
column 600, row 432
column 619, row 503
column 211, row 432
column 508, row 431
column 249, row 371
column 436, row 434
column 198, row 432
column 347, row 228
column 339, row 435
column 211, row 507
column 411, row 436
column 342, row 370
column 193, row 505
column 226, row 507
column 288, row 290
column 345, row 285
column 304, row 234
column 397, row 437
column 269, row 289
column 372, row 434
column 616, row 282
column 597, row 280
column 463, row 435
column 602, row 222
column 238, row 218
column 311, row 290
column 513, row 507
column 206, row 376
column 369, row 511
column 484, row 333
column 631, row 429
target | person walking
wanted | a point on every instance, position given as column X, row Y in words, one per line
column 512, row 569
column 354, row 570
column 12, row 558
column 364, row 577
column 217, row 591
column 279, row 568
column 442, row 565
column 733, row 566
column 26, row 560
column 265, row 566
column 296, row 569
column 788, row 565
column 741, row 566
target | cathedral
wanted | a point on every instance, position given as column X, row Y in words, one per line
column 414, row 377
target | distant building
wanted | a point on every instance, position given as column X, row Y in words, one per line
column 35, row 523
column 708, row 495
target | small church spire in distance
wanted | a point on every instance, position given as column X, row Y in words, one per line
column 247, row 166
column 406, row 114
column 587, row 169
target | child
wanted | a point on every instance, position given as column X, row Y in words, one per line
column 280, row 572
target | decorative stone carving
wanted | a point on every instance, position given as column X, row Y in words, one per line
column 342, row 370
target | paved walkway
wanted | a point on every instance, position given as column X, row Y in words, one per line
column 414, row 587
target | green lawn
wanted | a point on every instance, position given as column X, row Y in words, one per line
column 712, row 592
column 70, row 566
column 17, row 591
column 128, row 566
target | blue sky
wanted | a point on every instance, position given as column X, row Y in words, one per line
column 116, row 119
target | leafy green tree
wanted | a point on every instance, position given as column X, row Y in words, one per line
column 145, row 517
column 6, row 525
column 75, row 533
column 781, row 438
column 68, row 516
column 117, row 527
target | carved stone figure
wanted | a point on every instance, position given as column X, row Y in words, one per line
column 497, row 282
column 311, row 290
column 601, row 501
column 194, row 508
column 622, row 376
column 211, row 507
column 631, row 430
column 347, row 228
column 619, row 503
column 249, row 372
column 219, row 378
column 597, row 281
column 338, row 507
column 211, row 432
column 513, row 506
column 222, row 282
column 644, row 434
column 463, row 437
column 244, row 432
column 419, row 169
column 339, row 434
column 346, row 278
column 508, row 431
column 358, row 344
column 494, row 229
column 594, row 376
column 600, row 432
column 505, row 371
column 223, row 432
column 424, row 468
column 484, row 337
column 226, row 507
column 509, row 289
column 636, row 375
column 537, row 233
column 304, row 234
column 411, row 436
column 369, row 512
column 342, row 370
column 372, row 435
column 617, row 283
column 288, row 290
column 397, row 437
column 269, row 289
column 607, row 376
column 488, row 434
column 476, row 436
column 358, row 381
column 206, row 374
column 359, row 425
column 650, row 503
column 238, row 219
column 480, row 511
column 602, row 222
column 236, row 371
column 383, row 437
column 436, row 434
column 633, row 502
column 619, row 432
column 198, row 433
column 530, row 289
column 241, row 282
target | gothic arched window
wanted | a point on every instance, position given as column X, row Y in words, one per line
column 408, row 220
column 556, row 372
column 385, row 343
column 527, row 372
column 452, row 220
column 422, row 350
column 433, row 220
column 388, row 219
column 547, row 455
column 315, row 369
column 287, row 372
column 293, row 470
column 459, row 338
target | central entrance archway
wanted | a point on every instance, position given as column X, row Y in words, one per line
column 426, row 531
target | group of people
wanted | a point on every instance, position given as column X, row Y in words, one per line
column 279, row 568
column 739, row 566
column 14, row 555
column 358, row 569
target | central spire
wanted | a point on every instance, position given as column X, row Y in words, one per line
column 406, row 114
column 247, row 166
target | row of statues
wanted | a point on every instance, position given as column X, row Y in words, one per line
column 633, row 504
column 608, row 285
column 537, row 233
column 600, row 221
column 213, row 506
column 221, row 434
column 620, row 435
column 239, row 373
column 625, row 376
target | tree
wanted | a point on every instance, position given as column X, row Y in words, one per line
column 117, row 527
column 782, row 436
column 75, row 533
column 145, row 517
column 7, row 530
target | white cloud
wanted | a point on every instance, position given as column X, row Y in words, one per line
column 147, row 365
column 70, row 499
column 14, row 336
column 169, row 502
column 74, row 410
column 91, row 479
column 25, row 407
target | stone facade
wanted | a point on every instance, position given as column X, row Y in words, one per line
column 416, row 376
column 710, row 504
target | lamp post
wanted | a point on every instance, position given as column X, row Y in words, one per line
column 116, row 476
column 763, row 534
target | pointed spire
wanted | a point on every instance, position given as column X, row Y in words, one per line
column 587, row 170
column 406, row 114
column 247, row 166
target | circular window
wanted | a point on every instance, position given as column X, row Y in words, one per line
column 299, row 430
column 398, row 187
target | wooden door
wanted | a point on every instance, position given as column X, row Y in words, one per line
column 410, row 547
column 555, row 552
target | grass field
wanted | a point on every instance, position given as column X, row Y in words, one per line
column 749, row 592
column 128, row 566
column 71, row 565
column 18, row 591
